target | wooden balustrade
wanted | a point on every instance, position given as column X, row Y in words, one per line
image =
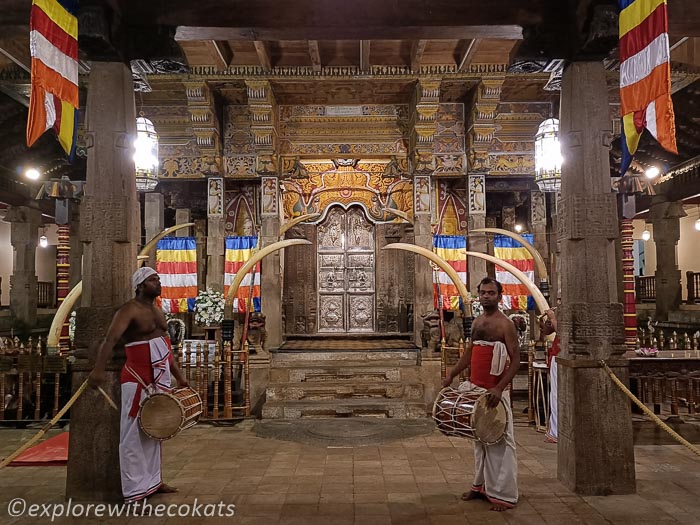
column 645, row 288
column 45, row 295
column 693, row 286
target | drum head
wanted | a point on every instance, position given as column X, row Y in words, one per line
column 489, row 423
column 160, row 416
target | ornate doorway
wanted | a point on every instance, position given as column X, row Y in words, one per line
column 346, row 267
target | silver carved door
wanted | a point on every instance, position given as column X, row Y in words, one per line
column 346, row 272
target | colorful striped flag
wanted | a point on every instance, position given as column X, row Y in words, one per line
column 238, row 251
column 176, row 263
column 53, row 41
column 645, row 76
column 451, row 248
column 515, row 294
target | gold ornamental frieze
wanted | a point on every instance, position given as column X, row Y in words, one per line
column 347, row 186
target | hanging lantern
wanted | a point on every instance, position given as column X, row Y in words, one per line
column 146, row 155
column 548, row 156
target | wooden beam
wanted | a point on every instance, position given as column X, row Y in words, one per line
column 315, row 55
column 364, row 55
column 468, row 54
column 14, row 44
column 305, row 32
column 222, row 52
column 417, row 49
column 263, row 54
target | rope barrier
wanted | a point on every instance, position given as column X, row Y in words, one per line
column 648, row 412
column 9, row 459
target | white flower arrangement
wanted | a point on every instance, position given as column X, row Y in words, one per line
column 209, row 308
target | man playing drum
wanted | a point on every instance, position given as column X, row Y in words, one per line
column 493, row 361
column 149, row 362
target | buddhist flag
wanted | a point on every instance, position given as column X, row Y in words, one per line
column 645, row 76
column 515, row 294
column 238, row 251
column 451, row 248
column 53, row 42
column 176, row 263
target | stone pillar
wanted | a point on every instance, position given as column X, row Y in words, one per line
column 477, row 243
column 182, row 216
column 24, row 231
column 508, row 218
column 271, row 283
column 538, row 227
column 216, row 234
column 423, row 284
column 665, row 218
column 154, row 220
column 110, row 232
column 595, row 454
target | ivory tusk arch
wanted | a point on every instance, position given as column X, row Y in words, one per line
column 539, row 260
column 250, row 263
column 402, row 214
column 442, row 263
column 290, row 224
column 67, row 304
column 541, row 302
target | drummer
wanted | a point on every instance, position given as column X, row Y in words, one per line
column 142, row 327
column 493, row 359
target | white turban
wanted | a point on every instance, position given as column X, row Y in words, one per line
column 141, row 275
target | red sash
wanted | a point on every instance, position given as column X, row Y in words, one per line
column 480, row 375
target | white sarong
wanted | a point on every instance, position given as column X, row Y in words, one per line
column 139, row 455
column 553, row 409
column 496, row 466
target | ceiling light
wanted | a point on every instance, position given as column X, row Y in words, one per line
column 646, row 235
column 32, row 174
column 43, row 241
column 518, row 228
column 652, row 172
column 697, row 225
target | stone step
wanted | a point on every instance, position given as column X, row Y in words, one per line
column 346, row 358
column 348, row 390
column 385, row 408
column 343, row 374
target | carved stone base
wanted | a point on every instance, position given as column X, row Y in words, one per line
column 596, row 453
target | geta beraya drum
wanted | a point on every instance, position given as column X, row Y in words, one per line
column 466, row 414
column 165, row 414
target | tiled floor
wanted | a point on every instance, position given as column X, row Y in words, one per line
column 414, row 480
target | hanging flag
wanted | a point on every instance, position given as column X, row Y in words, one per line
column 645, row 76
column 451, row 248
column 515, row 294
column 176, row 264
column 238, row 251
column 53, row 42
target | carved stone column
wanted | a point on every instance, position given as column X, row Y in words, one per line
column 182, row 216
column 216, row 233
column 154, row 220
column 596, row 453
column 665, row 218
column 424, row 108
column 110, row 231
column 24, row 231
column 626, row 230
column 538, row 227
column 263, row 114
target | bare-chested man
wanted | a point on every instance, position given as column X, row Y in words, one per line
column 149, row 363
column 493, row 360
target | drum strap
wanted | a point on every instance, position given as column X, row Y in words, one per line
column 142, row 387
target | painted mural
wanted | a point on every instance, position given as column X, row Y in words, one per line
column 347, row 182
column 452, row 208
column 241, row 218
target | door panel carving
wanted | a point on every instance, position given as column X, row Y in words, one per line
column 346, row 272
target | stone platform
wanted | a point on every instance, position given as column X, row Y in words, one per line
column 377, row 472
column 345, row 377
